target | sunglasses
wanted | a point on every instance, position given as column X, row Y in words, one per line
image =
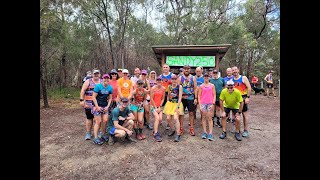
column 158, row 79
column 205, row 76
column 143, row 74
column 173, row 78
column 215, row 73
column 113, row 74
column 106, row 78
column 124, row 102
column 230, row 87
column 125, row 73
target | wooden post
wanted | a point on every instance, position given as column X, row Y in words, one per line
column 217, row 58
column 162, row 59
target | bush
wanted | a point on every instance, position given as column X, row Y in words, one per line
column 64, row 93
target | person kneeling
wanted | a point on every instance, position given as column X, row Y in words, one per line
column 121, row 123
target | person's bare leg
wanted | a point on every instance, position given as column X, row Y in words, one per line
column 156, row 122
column 191, row 118
column 140, row 120
column 238, row 123
column 96, row 126
column 267, row 92
column 177, row 123
column 210, row 122
column 147, row 113
column 105, row 118
column 245, row 120
column 203, row 122
column 89, row 123
column 169, row 120
column 224, row 124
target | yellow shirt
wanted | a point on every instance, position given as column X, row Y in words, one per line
column 124, row 86
column 231, row 100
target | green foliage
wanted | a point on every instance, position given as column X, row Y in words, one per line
column 64, row 93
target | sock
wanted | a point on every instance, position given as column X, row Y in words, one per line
column 136, row 130
column 140, row 130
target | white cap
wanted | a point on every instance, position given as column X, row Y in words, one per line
column 125, row 71
column 96, row 71
column 230, row 82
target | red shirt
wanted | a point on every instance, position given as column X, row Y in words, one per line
column 254, row 80
column 114, row 85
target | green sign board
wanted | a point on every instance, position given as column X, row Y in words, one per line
column 204, row 61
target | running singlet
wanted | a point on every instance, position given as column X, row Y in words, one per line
column 206, row 96
column 227, row 79
column 114, row 85
column 89, row 92
column 173, row 93
column 187, row 87
column 240, row 85
column 166, row 81
column 157, row 96
column 138, row 97
column 199, row 80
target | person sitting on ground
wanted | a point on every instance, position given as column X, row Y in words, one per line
column 121, row 122
column 231, row 100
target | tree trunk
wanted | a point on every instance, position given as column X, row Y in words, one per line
column 75, row 81
column 43, row 80
column 64, row 70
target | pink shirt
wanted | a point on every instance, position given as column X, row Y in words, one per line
column 206, row 95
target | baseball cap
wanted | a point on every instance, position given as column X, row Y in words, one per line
column 113, row 71
column 139, row 81
column 152, row 72
column 159, row 77
column 106, row 76
column 206, row 74
column 96, row 71
column 125, row 71
column 230, row 82
column 124, row 99
column 144, row 72
column 186, row 66
column 174, row 76
column 210, row 69
column 181, row 69
column 215, row 71
column 119, row 70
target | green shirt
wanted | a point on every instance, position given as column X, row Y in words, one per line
column 219, row 85
column 115, row 116
column 231, row 100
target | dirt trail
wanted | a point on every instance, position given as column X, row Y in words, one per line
column 64, row 154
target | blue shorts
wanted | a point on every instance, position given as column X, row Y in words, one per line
column 98, row 113
column 135, row 108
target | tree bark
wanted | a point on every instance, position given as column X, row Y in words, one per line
column 43, row 80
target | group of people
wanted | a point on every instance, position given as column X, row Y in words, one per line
column 121, row 105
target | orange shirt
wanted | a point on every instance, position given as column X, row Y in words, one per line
column 124, row 86
column 157, row 96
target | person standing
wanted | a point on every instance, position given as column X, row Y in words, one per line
column 243, row 85
column 86, row 100
column 139, row 95
column 269, row 80
column 231, row 101
column 102, row 97
column 207, row 100
column 219, row 84
column 157, row 95
column 174, row 108
column 189, row 97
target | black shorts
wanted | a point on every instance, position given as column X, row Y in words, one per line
column 227, row 110
column 245, row 106
column 89, row 114
column 218, row 103
column 189, row 104
column 269, row 85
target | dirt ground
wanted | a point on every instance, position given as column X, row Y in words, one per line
column 64, row 154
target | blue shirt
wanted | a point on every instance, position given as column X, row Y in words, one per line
column 200, row 80
column 227, row 79
column 103, row 93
